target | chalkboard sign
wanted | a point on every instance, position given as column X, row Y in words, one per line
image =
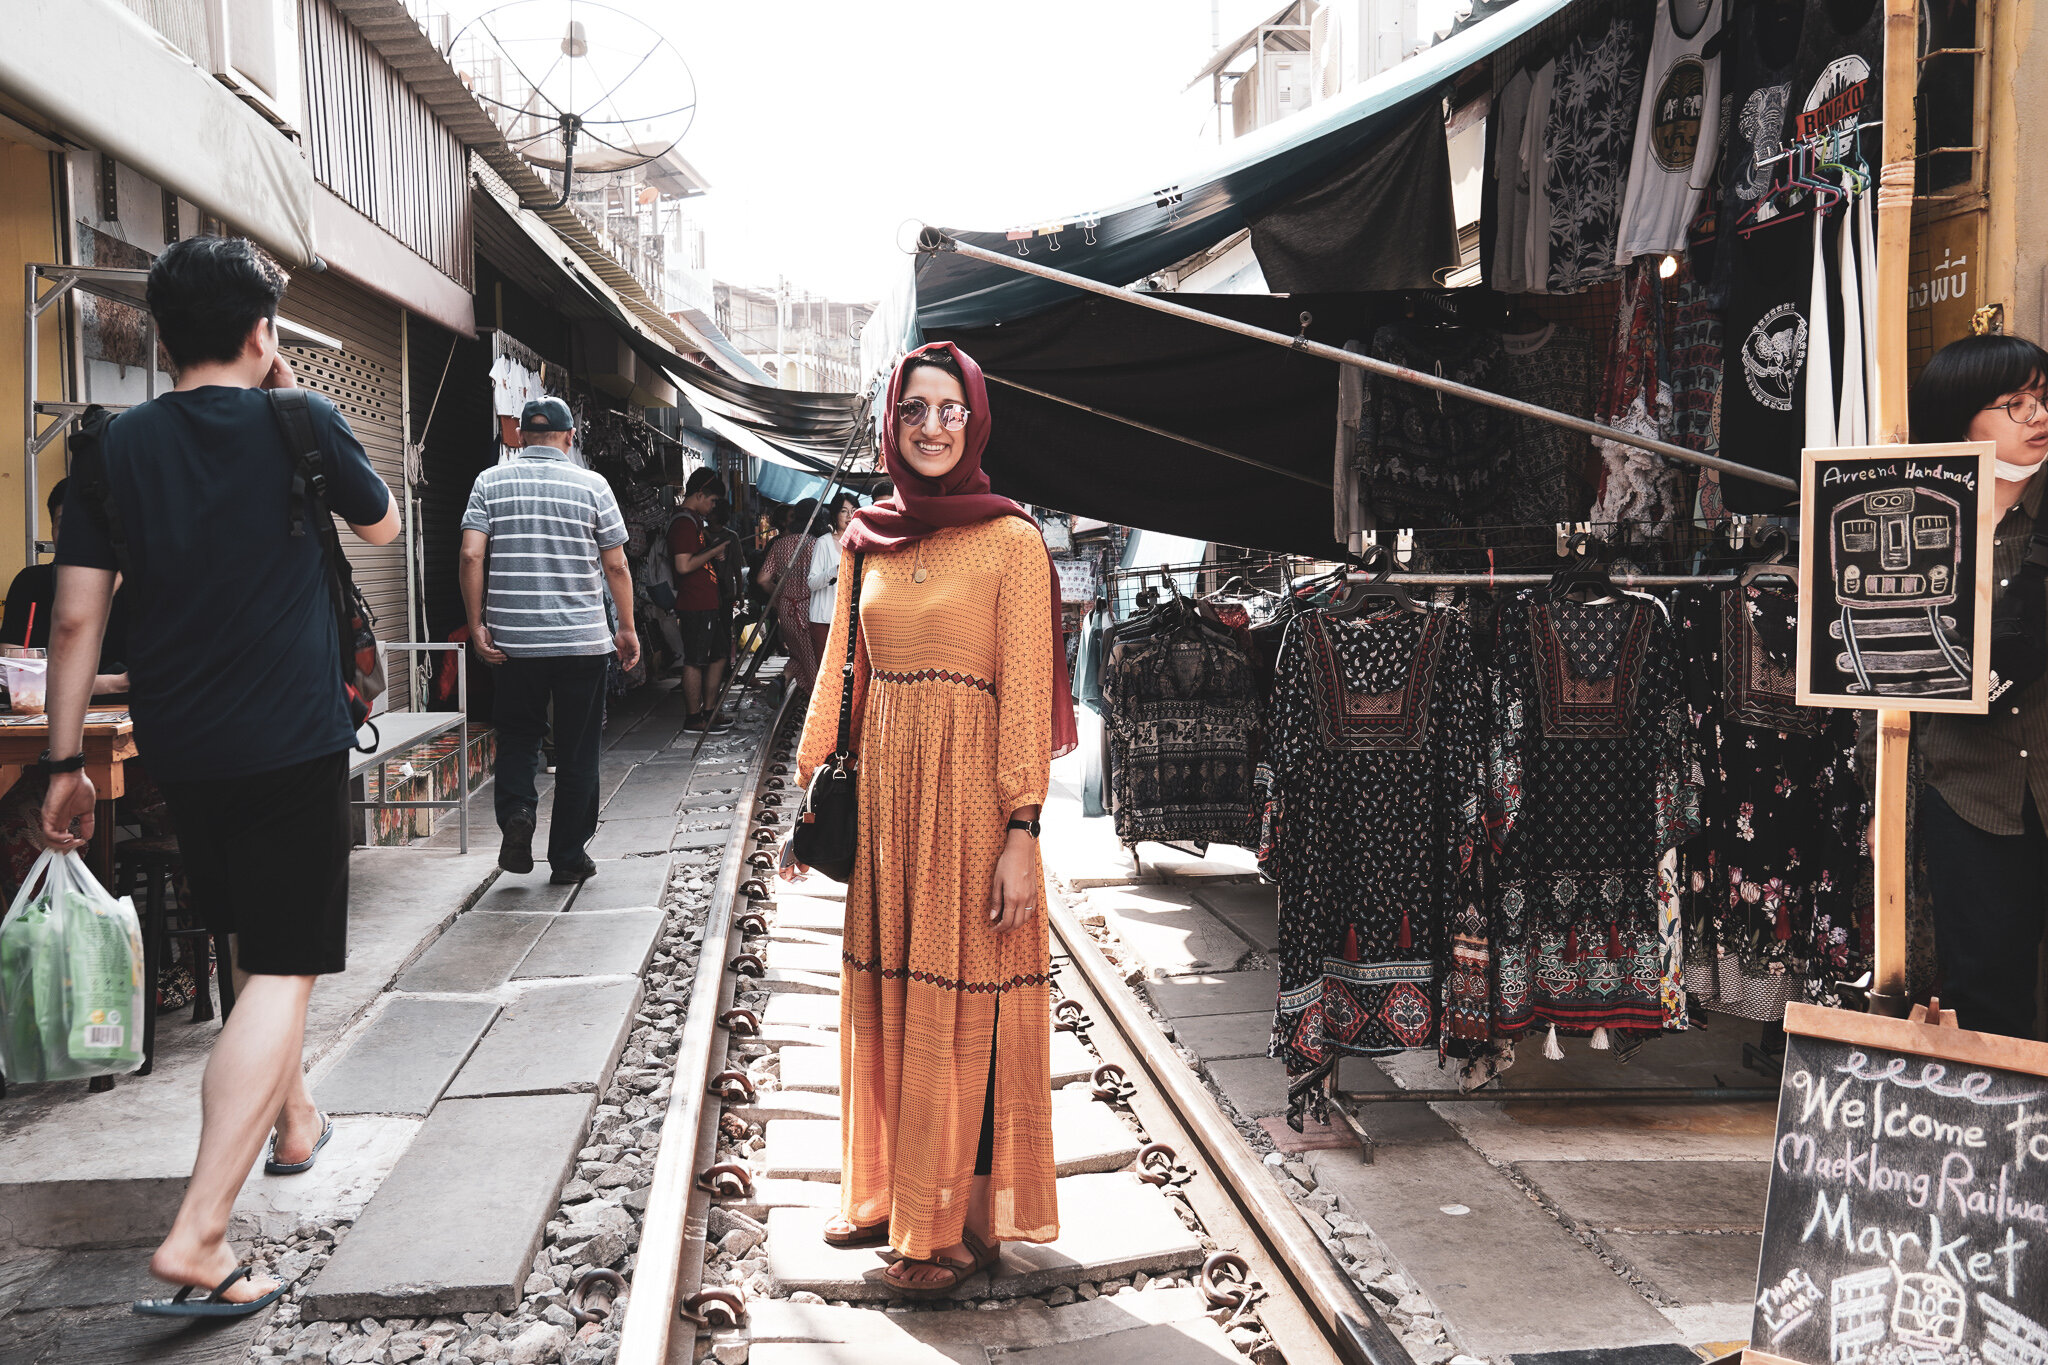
column 1895, row 597
column 1907, row 1222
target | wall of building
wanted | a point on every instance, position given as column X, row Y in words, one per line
column 2017, row 261
column 28, row 233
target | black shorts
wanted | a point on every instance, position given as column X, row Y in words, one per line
column 266, row 856
column 707, row 636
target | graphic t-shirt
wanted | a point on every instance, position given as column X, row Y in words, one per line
column 1768, row 337
column 696, row 590
column 234, row 661
column 1677, row 130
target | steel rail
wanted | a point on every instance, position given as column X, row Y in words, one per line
column 931, row 241
column 671, row 1250
column 1349, row 1325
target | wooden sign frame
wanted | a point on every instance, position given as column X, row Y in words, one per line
column 1817, row 506
column 1923, row 1035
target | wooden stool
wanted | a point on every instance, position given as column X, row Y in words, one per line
column 149, row 866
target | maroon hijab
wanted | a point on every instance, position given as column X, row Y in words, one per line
column 920, row 506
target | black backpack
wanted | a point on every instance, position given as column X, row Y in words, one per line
column 362, row 664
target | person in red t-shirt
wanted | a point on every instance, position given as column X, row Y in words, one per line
column 706, row 634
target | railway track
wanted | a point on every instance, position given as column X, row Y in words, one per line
column 1174, row 1236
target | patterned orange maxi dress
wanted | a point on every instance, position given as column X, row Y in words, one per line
column 952, row 705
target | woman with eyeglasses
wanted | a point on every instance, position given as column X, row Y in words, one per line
column 1980, row 810
column 960, row 704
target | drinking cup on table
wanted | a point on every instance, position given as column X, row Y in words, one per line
column 26, row 672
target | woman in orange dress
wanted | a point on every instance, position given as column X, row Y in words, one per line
column 960, row 703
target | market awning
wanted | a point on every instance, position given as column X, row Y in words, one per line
column 1238, row 182
column 151, row 108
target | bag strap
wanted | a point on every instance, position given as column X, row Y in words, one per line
column 846, row 677
column 89, row 467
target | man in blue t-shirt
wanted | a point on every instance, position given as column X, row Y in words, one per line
column 234, row 664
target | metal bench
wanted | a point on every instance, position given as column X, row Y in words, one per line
column 401, row 732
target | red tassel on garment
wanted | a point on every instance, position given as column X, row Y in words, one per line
column 1614, row 941
column 1351, row 943
column 1407, row 936
column 1571, row 944
column 1783, row 927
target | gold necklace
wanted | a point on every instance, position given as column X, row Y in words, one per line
column 918, row 572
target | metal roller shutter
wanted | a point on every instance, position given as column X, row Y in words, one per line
column 365, row 381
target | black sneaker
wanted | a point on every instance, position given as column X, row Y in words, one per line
column 570, row 876
column 711, row 724
column 515, row 854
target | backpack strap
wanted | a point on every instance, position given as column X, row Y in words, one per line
column 89, row 467
column 309, row 478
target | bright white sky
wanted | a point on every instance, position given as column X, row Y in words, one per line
column 823, row 124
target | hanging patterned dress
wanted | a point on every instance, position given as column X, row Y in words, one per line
column 1771, row 879
column 792, row 605
column 1592, row 781
column 952, row 705
column 1372, row 828
column 1181, row 704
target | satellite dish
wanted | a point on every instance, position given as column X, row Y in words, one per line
column 577, row 86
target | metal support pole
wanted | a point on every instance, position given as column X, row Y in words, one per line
column 31, row 311
column 932, row 240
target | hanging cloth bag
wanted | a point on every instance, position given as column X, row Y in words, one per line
column 827, row 830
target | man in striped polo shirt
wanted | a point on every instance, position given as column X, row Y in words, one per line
column 552, row 538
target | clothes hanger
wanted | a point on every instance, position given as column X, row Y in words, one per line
column 1773, row 565
column 1378, row 560
column 1587, row 571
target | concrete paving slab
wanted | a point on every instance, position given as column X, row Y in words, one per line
column 1256, row 1086
column 815, row 885
column 802, row 1011
column 702, row 838
column 1666, row 1354
column 808, row 912
column 1196, row 1339
column 1655, row 1196
column 19, row 1274
column 632, row 838
column 594, row 943
column 797, row 983
column 776, row 1194
column 823, row 938
column 1110, row 1226
column 1086, row 1137
column 112, row 1335
column 476, row 954
column 1247, row 907
column 90, row 1279
column 810, row 1068
column 1071, row 1059
column 1171, row 934
column 778, row 1321
column 796, row 1035
column 624, row 884
column 1693, row 1268
column 639, row 800
column 1456, row 1259
column 405, row 1058
column 528, row 891
column 354, row 1163
column 1188, row 997
column 455, row 1225
column 1213, row 1037
column 774, row 1105
column 817, row 958
column 556, row 1036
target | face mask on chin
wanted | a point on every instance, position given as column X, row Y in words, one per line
column 2008, row 472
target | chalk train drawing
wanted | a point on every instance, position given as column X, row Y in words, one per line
column 1895, row 558
column 1789, row 1304
column 1929, row 1310
column 2010, row 1336
column 1859, row 1309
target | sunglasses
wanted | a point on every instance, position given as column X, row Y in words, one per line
column 912, row 412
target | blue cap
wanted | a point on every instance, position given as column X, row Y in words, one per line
column 546, row 414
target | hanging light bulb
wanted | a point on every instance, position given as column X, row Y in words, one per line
column 1667, row 267
column 575, row 43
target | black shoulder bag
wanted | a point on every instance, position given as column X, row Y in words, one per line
column 827, row 836
column 362, row 663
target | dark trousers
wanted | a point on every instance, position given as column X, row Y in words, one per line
column 1990, row 907
column 576, row 687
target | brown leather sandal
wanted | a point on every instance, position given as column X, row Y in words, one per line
column 986, row 1254
column 874, row 1235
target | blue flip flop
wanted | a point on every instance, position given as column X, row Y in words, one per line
column 214, row 1305
column 272, row 1166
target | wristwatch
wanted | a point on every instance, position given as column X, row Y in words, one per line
column 51, row 766
column 1030, row 827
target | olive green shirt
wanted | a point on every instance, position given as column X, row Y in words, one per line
column 1984, row 766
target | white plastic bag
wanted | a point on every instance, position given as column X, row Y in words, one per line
column 71, row 969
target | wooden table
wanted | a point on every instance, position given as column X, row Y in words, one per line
column 109, row 741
